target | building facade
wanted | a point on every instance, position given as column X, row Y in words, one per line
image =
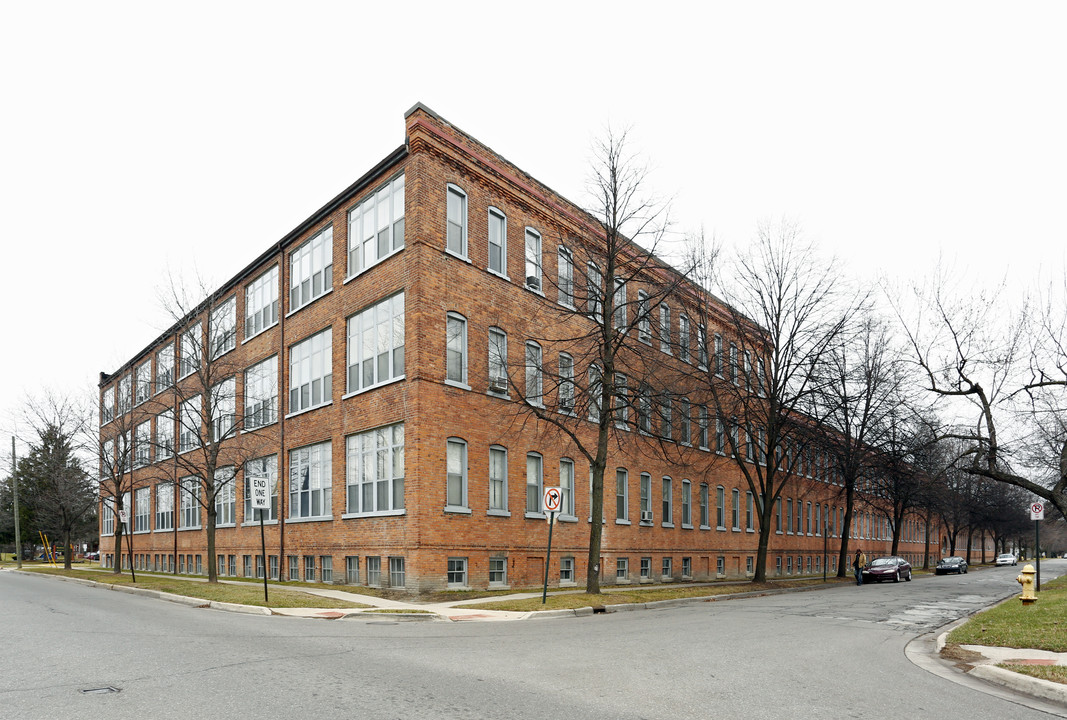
column 373, row 365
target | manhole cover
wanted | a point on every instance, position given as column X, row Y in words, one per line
column 99, row 691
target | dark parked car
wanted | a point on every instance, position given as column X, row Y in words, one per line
column 887, row 568
column 951, row 565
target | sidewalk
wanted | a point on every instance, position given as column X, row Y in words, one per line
column 984, row 663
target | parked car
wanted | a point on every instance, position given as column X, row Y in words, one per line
column 887, row 568
column 1006, row 559
column 951, row 565
column 92, row 556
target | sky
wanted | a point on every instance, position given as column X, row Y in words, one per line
column 140, row 141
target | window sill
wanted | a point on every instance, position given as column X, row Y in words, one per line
column 498, row 513
column 308, row 409
column 317, row 518
column 145, row 532
column 497, row 273
column 721, row 527
column 457, row 384
column 310, row 302
column 456, row 255
column 621, row 522
column 163, row 530
column 646, row 523
column 259, row 332
column 390, row 381
column 567, row 583
column 566, row 518
column 190, row 529
column 501, row 395
column 376, row 263
column 686, row 526
column 736, row 529
column 219, row 526
column 377, row 513
column 622, row 581
column 705, row 527
column 457, row 509
column 534, row 515
column 667, row 525
column 253, row 428
column 255, row 523
column 533, row 290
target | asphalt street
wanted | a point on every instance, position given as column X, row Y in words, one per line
column 837, row 652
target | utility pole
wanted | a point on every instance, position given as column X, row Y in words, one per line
column 15, row 494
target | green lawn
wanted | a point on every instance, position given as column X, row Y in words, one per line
column 238, row 593
column 1055, row 673
column 1042, row 626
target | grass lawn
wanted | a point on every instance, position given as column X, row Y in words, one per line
column 1055, row 673
column 564, row 601
column 239, row 593
column 1042, row 626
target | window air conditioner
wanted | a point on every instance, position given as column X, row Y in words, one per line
column 498, row 384
column 533, row 282
column 646, row 516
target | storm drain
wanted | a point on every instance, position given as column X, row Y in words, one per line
column 99, row 690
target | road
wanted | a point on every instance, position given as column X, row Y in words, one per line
column 835, row 653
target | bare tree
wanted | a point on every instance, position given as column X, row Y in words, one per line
column 785, row 311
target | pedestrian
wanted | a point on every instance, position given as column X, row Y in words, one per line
column 858, row 563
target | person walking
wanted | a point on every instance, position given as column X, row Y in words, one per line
column 858, row 563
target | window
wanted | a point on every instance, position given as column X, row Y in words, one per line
column 107, row 517
column 310, row 481
column 374, row 571
column 190, row 346
column 646, row 497
column 644, row 332
column 778, row 565
column 668, row 512
column 261, row 394
column 720, row 507
column 702, row 347
column 125, row 394
column 165, row 506
column 189, row 430
column 125, row 458
column 223, row 398
column 533, row 482
column 718, row 354
column 622, row 500
column 533, row 259
column 265, row 467
column 498, row 242
column 375, row 470
column 749, row 512
column 396, row 572
column 565, row 264
column 702, row 427
column 566, row 570
column 311, row 269
column 735, row 510
column 107, row 406
column 142, row 444
column 622, row 568
column 705, row 511
column 222, row 328
column 621, row 310
column 376, row 226
column 456, row 469
column 665, row 329
column 143, row 382
column 646, row 568
column 683, row 338
column 687, row 504
column 326, row 568
column 225, row 496
column 566, row 486
column 456, row 236
column 778, row 515
column 457, row 572
column 294, row 567
column 685, row 426
column 789, row 516
column 165, row 368
column 734, row 371
column 189, row 503
column 498, row 479
column 566, row 383
column 596, row 388
column 720, row 436
column 666, row 424
column 498, row 361
column 594, row 292
column 644, row 409
column 498, row 571
column 456, row 349
column 748, row 564
column 311, row 372
column 687, row 567
column 533, row 373
column 376, row 344
column 668, row 570
column 309, row 568
column 142, row 509
column 622, row 408
column 261, row 303
column 352, row 569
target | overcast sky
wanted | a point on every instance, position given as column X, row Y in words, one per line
column 141, row 139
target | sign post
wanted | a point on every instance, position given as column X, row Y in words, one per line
column 260, row 487
column 124, row 518
column 553, row 501
column 1037, row 514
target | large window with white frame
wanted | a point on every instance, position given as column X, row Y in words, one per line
column 142, row 444
column 143, row 382
column 376, row 344
column 683, row 338
column 702, row 347
column 534, row 480
column 456, row 349
column 261, row 394
column 165, row 367
column 107, row 516
column 498, row 361
column 565, row 277
column 622, row 495
column 165, row 434
column 125, row 400
column 665, row 329
column 705, row 510
column 223, row 397
column 311, row 269
column 498, row 242
column 189, row 504
column 566, row 486
column 687, row 503
column 375, row 471
column 534, row 381
column 718, row 354
column 311, row 372
column 456, row 221
column 668, row 503
column 644, row 329
column 594, row 280
column 622, row 312
column 107, row 406
column 142, row 509
column 533, row 259
column 225, row 496
column 456, row 475
column 646, row 497
column 190, row 351
column 261, row 303
column 566, row 383
column 735, row 509
column 720, row 507
column 189, row 425
column 222, row 327
column 310, row 482
column 376, row 226
column 264, row 467
column 164, row 506
column 498, row 479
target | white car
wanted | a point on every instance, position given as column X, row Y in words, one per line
column 1006, row 559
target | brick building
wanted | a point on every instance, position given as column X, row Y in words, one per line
column 379, row 381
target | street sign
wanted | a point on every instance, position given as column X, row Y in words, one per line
column 1037, row 511
column 553, row 499
column 124, row 517
column 260, row 493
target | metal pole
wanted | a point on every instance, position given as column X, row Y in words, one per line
column 1037, row 553
column 548, row 557
column 263, row 549
column 15, row 493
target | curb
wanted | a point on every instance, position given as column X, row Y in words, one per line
column 1035, row 687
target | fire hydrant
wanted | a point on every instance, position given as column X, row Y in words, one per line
column 1026, row 579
